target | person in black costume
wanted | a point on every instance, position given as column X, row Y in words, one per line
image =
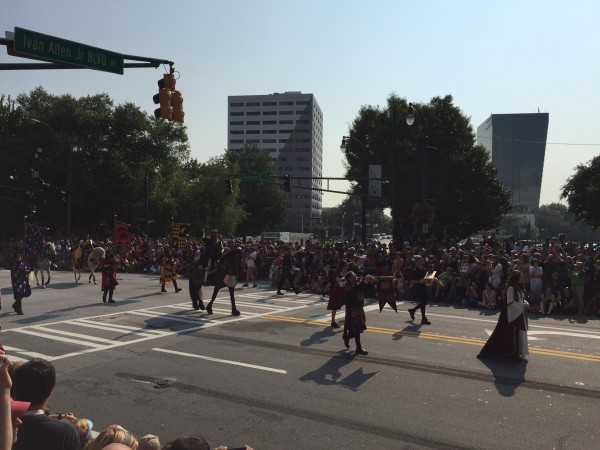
column 213, row 249
column 287, row 272
column 19, row 275
column 419, row 290
column 355, row 322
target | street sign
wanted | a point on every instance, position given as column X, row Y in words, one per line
column 255, row 176
column 49, row 48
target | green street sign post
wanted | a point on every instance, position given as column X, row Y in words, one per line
column 255, row 176
column 49, row 48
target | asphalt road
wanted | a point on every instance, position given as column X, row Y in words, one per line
column 278, row 377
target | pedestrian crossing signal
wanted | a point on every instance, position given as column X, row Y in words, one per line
column 287, row 183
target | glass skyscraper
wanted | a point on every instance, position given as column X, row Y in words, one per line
column 517, row 146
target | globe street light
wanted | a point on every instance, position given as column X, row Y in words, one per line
column 69, row 171
column 410, row 120
column 365, row 185
column 156, row 169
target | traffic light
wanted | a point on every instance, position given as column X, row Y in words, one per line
column 177, row 103
column 228, row 187
column 287, row 183
column 166, row 86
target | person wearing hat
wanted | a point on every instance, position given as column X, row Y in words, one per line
column 509, row 339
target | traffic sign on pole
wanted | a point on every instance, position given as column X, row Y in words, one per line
column 49, row 48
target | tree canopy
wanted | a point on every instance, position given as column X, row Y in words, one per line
column 116, row 156
column 581, row 192
column 463, row 193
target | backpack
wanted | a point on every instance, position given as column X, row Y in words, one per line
column 258, row 259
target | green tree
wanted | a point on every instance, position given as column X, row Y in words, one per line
column 109, row 147
column 463, row 192
column 581, row 192
column 264, row 203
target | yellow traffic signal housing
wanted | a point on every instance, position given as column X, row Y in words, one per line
column 166, row 86
column 177, row 103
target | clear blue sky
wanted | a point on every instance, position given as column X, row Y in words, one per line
column 492, row 57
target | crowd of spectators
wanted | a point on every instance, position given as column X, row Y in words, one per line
column 27, row 423
column 559, row 276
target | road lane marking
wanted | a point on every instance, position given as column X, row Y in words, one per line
column 116, row 327
column 76, row 335
column 223, row 361
column 440, row 337
column 29, row 332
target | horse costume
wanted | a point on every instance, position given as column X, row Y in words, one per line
column 93, row 260
column 44, row 262
column 225, row 274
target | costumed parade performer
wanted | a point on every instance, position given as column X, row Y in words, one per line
column 77, row 261
column 168, row 273
column 287, row 272
column 196, row 278
column 356, row 321
column 108, row 267
column 509, row 339
column 213, row 249
column 419, row 290
column 337, row 292
column 19, row 276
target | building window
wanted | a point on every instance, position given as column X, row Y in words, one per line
column 236, row 141
column 253, row 113
column 303, row 140
column 269, row 131
column 236, row 122
column 270, row 113
column 283, row 141
column 236, row 114
column 252, row 131
column 253, row 122
column 236, row 104
column 286, row 122
column 269, row 103
column 286, row 103
column 253, row 104
column 237, row 132
column 285, row 131
column 252, row 141
column 285, row 113
column 303, row 102
column 269, row 141
column 269, row 122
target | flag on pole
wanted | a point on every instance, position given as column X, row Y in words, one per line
column 34, row 240
column 122, row 233
column 179, row 234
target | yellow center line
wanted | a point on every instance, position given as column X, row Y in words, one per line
column 439, row 337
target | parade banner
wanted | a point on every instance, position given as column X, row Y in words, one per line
column 34, row 239
column 122, row 233
column 179, row 234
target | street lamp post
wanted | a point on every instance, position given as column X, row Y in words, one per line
column 156, row 168
column 342, row 234
column 410, row 120
column 69, row 172
column 365, row 185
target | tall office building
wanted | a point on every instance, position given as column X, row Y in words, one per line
column 517, row 145
column 290, row 127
